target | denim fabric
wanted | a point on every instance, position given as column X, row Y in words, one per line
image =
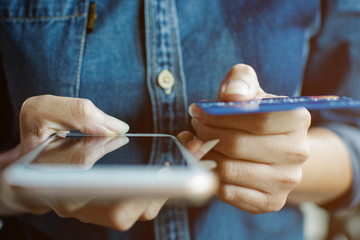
column 308, row 46
column 163, row 52
column 333, row 67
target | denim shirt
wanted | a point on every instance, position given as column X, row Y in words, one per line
column 296, row 47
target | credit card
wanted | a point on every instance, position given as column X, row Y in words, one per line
column 278, row 104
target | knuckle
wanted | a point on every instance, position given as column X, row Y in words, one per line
column 85, row 160
column 82, row 161
column 296, row 147
column 150, row 214
column 228, row 171
column 227, row 193
column 300, row 153
column 121, row 219
column 304, row 116
column 237, row 146
column 34, row 100
column 41, row 129
column 284, row 182
column 31, row 117
column 153, row 210
column 82, row 108
column 121, row 225
column 62, row 212
column 270, row 203
column 290, row 179
column 27, row 103
column 29, row 106
column 243, row 69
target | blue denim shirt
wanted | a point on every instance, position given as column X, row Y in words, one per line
column 296, row 47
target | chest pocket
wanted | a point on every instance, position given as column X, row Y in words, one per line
column 41, row 46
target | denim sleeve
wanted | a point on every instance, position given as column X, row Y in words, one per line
column 333, row 69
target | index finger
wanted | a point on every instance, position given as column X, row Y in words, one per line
column 256, row 123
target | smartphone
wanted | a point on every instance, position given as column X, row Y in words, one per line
column 111, row 168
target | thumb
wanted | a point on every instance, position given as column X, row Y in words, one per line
column 41, row 116
column 240, row 84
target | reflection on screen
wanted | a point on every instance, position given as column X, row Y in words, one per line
column 86, row 151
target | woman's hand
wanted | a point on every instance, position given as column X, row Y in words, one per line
column 259, row 156
column 42, row 116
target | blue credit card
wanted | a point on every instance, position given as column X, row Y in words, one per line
column 278, row 104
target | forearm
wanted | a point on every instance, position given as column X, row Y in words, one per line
column 327, row 174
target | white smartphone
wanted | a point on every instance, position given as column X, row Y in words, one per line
column 112, row 167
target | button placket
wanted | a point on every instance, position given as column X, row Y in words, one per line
column 166, row 84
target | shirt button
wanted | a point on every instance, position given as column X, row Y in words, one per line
column 166, row 81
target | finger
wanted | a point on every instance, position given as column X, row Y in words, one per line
column 91, row 151
column 250, row 200
column 185, row 136
column 153, row 209
column 81, row 153
column 120, row 216
column 44, row 115
column 266, row 178
column 66, row 208
column 123, row 216
column 197, row 147
column 208, row 164
column 267, row 148
column 204, row 148
column 240, row 84
column 191, row 142
column 259, row 123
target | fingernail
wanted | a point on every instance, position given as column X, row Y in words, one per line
column 209, row 164
column 115, row 143
column 235, row 87
column 184, row 137
column 116, row 126
column 195, row 111
column 62, row 133
column 206, row 147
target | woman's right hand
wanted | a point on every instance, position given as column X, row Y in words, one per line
column 42, row 116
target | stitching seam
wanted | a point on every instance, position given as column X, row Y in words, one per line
column 80, row 59
column 40, row 19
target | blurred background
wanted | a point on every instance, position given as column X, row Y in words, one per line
column 320, row 225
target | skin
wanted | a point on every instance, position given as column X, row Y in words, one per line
column 38, row 120
column 263, row 160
